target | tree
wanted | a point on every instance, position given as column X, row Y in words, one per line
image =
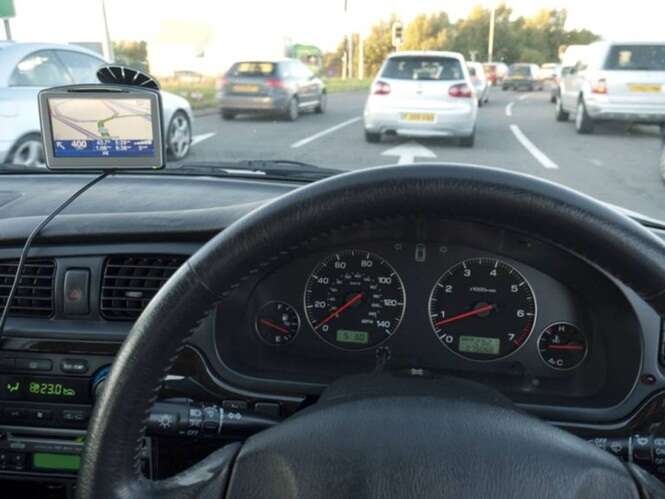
column 378, row 45
column 427, row 32
column 134, row 54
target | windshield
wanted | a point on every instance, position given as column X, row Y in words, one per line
column 636, row 57
column 278, row 90
column 422, row 68
column 520, row 70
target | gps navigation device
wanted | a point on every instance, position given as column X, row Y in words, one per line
column 101, row 127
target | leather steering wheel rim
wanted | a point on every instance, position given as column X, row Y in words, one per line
column 268, row 236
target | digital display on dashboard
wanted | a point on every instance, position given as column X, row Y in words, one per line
column 98, row 128
column 349, row 336
column 479, row 344
column 44, row 389
column 101, row 127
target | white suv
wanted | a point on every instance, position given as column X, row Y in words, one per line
column 614, row 81
column 422, row 94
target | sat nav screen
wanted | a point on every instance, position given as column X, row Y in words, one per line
column 101, row 128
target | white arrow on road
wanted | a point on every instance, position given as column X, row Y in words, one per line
column 409, row 151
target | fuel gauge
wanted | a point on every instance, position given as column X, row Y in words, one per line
column 562, row 346
column 277, row 323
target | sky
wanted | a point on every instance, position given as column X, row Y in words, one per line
column 241, row 28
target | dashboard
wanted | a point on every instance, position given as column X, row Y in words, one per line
column 416, row 297
column 435, row 297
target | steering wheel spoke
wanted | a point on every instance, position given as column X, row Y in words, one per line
column 207, row 479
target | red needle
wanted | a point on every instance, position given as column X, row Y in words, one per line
column 471, row 313
column 274, row 326
column 565, row 347
column 339, row 310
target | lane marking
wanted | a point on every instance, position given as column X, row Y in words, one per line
column 202, row 136
column 322, row 133
column 522, row 97
column 408, row 152
column 532, row 149
column 509, row 109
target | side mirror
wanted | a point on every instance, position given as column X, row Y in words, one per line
column 568, row 70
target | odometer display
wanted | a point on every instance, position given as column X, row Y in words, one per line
column 354, row 300
column 482, row 309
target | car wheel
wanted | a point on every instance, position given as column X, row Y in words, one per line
column 228, row 115
column 292, row 111
column 28, row 151
column 468, row 141
column 372, row 137
column 583, row 122
column 480, row 102
column 559, row 113
column 552, row 99
column 323, row 103
column 179, row 136
column 504, row 88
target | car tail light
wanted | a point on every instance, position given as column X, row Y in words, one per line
column 221, row 82
column 460, row 90
column 274, row 83
column 600, row 87
column 381, row 88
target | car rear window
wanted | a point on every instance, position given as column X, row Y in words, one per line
column 520, row 71
column 636, row 58
column 423, row 68
column 253, row 68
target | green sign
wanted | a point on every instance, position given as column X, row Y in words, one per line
column 7, row 8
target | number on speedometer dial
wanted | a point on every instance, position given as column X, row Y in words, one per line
column 354, row 300
column 482, row 309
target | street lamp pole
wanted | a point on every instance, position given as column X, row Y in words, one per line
column 109, row 46
column 490, row 42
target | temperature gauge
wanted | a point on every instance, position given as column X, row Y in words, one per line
column 562, row 346
column 277, row 323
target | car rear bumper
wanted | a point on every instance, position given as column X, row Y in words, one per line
column 605, row 110
column 459, row 122
column 526, row 83
column 253, row 103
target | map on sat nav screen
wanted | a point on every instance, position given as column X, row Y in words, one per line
column 95, row 128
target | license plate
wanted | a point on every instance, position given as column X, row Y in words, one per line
column 246, row 89
column 646, row 88
column 418, row 117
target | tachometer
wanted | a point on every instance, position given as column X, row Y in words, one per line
column 354, row 300
column 482, row 309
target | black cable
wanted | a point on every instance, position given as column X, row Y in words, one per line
column 35, row 232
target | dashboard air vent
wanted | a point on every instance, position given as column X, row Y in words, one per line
column 34, row 296
column 130, row 282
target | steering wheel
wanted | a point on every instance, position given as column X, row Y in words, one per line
column 374, row 436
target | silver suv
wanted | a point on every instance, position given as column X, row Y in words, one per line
column 614, row 81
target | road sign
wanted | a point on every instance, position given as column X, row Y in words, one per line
column 7, row 9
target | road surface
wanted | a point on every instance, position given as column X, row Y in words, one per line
column 618, row 164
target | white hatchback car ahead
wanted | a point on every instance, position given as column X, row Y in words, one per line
column 422, row 94
column 26, row 68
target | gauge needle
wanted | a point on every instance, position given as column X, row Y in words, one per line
column 271, row 324
column 471, row 313
column 565, row 347
column 337, row 311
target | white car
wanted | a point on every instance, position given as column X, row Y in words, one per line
column 422, row 94
column 480, row 82
column 26, row 68
column 614, row 81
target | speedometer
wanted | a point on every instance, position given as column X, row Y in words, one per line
column 482, row 309
column 354, row 300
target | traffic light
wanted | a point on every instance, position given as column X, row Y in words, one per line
column 397, row 34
